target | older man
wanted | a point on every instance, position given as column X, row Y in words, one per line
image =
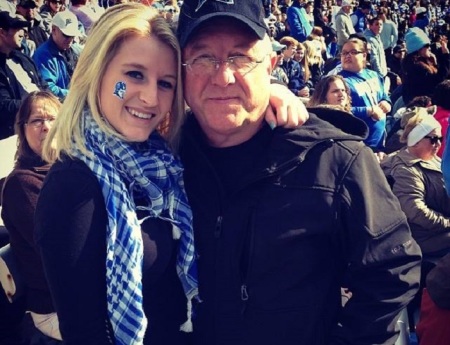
column 283, row 218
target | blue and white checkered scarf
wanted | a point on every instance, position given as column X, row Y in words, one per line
column 127, row 172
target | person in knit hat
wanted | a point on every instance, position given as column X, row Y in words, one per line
column 423, row 70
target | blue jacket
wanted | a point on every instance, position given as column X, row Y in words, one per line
column 53, row 67
column 295, row 75
column 298, row 23
column 367, row 90
column 359, row 20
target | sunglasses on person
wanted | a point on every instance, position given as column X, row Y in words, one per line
column 434, row 139
column 281, row 51
column 56, row 2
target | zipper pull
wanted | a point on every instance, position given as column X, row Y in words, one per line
column 218, row 229
column 244, row 293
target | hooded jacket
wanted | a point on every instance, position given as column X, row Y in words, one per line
column 311, row 212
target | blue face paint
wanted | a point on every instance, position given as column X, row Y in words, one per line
column 120, row 89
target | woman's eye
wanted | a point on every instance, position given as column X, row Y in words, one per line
column 135, row 74
column 165, row 84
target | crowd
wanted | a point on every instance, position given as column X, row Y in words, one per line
column 226, row 172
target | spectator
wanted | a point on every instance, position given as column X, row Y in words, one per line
column 370, row 101
column 274, row 197
column 86, row 12
column 48, row 11
column 56, row 59
column 36, row 31
column 18, row 74
column 298, row 20
column 332, row 90
column 278, row 72
column 389, row 32
column 359, row 17
column 423, row 70
column 20, row 194
column 377, row 57
column 127, row 252
column 415, row 173
column 421, row 21
column 297, row 83
column 343, row 25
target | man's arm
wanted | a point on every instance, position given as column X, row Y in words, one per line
column 8, row 110
column 383, row 259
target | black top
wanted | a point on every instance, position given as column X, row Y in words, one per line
column 71, row 222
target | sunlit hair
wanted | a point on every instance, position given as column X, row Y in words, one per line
column 319, row 96
column 118, row 24
column 303, row 62
column 288, row 41
column 23, row 115
column 313, row 53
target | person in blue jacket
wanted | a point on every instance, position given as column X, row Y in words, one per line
column 56, row 58
column 298, row 21
column 370, row 102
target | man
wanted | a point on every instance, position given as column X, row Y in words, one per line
column 18, row 74
column 282, row 218
column 56, row 58
column 298, row 21
column 36, row 30
column 293, row 70
column 377, row 57
column 359, row 17
column 389, row 33
column 344, row 26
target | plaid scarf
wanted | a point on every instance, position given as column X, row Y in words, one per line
column 128, row 172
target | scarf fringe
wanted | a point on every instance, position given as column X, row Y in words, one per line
column 187, row 327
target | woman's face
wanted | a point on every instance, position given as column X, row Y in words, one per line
column 337, row 95
column 56, row 5
column 428, row 147
column 138, row 87
column 299, row 54
column 42, row 115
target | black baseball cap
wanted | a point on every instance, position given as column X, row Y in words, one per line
column 27, row 4
column 8, row 22
column 193, row 13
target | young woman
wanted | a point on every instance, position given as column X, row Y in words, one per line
column 20, row 194
column 112, row 222
column 332, row 90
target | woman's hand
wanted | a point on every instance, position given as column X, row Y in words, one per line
column 285, row 109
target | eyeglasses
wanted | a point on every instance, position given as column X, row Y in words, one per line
column 351, row 52
column 203, row 66
column 281, row 51
column 38, row 123
column 433, row 140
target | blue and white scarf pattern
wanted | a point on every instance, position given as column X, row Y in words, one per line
column 127, row 172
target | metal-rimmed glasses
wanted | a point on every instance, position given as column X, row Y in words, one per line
column 207, row 66
column 39, row 122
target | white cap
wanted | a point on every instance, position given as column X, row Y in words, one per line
column 347, row 3
column 422, row 129
column 420, row 10
column 67, row 22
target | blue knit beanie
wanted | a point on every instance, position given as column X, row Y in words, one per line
column 415, row 39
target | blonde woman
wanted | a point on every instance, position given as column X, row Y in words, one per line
column 113, row 223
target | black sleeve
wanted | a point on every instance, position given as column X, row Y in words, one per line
column 71, row 235
column 383, row 258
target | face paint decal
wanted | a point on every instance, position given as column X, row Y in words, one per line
column 120, row 89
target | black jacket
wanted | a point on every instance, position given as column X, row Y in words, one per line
column 11, row 94
column 314, row 214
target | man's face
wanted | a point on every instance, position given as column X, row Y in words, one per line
column 62, row 41
column 11, row 39
column 27, row 12
column 290, row 51
column 376, row 26
column 228, row 104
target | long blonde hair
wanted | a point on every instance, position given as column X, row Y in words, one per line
column 115, row 26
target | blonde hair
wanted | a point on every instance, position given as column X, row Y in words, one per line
column 115, row 26
column 312, row 53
